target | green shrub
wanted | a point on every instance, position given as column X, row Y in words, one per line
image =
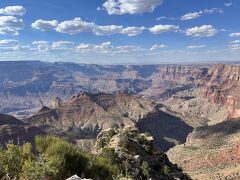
column 11, row 161
column 145, row 169
column 19, row 162
column 40, row 168
column 124, row 141
column 106, row 139
column 102, row 167
column 54, row 158
column 110, row 155
column 101, row 143
column 166, row 170
column 64, row 156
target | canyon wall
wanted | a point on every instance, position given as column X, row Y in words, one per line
column 199, row 92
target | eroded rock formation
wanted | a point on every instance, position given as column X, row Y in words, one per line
column 211, row 152
column 85, row 115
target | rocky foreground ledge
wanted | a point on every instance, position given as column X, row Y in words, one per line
column 136, row 155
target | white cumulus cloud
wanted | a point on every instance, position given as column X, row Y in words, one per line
column 107, row 48
column 42, row 46
column 161, row 18
column 236, row 34
column 195, row 46
column 130, row 6
column 45, row 25
column 156, row 46
column 13, row 10
column 11, row 22
column 8, row 31
column 40, row 42
column 201, row 31
column 195, row 15
column 157, row 29
column 190, row 16
column 8, row 42
column 107, row 30
column 62, row 44
column 77, row 25
column 45, row 46
column 213, row 10
column 235, row 46
column 10, row 25
column 133, row 31
column 229, row 3
column 235, row 41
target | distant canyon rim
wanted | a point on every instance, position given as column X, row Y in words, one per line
column 192, row 111
column 204, row 93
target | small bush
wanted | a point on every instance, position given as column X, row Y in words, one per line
column 166, row 170
column 54, row 158
column 101, row 143
column 106, row 139
column 145, row 169
column 19, row 162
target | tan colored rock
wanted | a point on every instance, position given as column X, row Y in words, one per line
column 85, row 115
column 210, row 152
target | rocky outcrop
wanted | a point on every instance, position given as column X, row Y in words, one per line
column 179, row 73
column 7, row 119
column 15, row 131
column 75, row 177
column 222, row 85
column 211, row 152
column 18, row 134
column 56, row 102
column 136, row 155
column 215, row 97
column 84, row 116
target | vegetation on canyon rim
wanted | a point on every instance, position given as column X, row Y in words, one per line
column 52, row 158
column 118, row 153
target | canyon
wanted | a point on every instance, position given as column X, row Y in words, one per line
column 201, row 92
column 84, row 116
column 210, row 152
column 191, row 110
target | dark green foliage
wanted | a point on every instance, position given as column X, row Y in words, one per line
column 105, row 140
column 101, row 143
column 166, row 170
column 70, row 160
column 124, row 141
column 102, row 168
column 111, row 155
column 66, row 158
column 145, row 169
column 19, row 162
column 53, row 158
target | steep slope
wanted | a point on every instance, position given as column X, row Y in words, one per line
column 136, row 155
column 211, row 152
column 7, row 119
column 40, row 81
column 200, row 93
column 15, row 131
column 85, row 115
column 222, row 86
column 215, row 97
column 168, row 80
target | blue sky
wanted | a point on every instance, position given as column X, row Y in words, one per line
column 120, row 31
